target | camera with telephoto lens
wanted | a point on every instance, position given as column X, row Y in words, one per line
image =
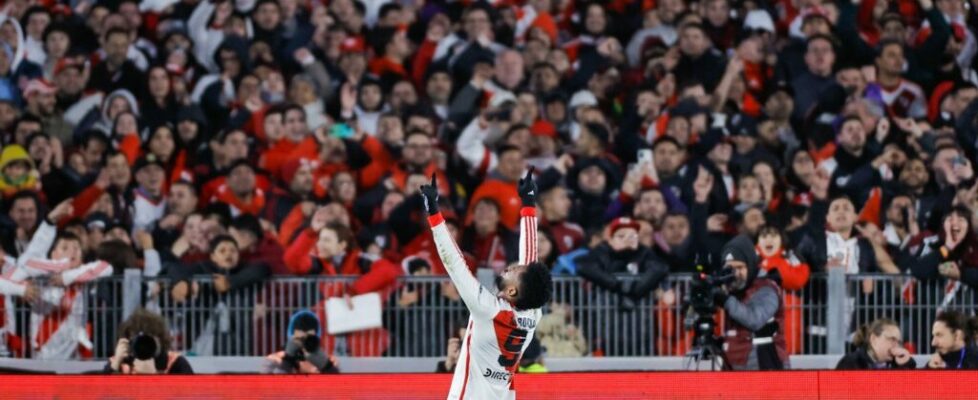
column 143, row 347
column 702, row 308
column 703, row 287
column 294, row 354
column 311, row 344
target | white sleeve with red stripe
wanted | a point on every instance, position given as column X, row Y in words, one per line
column 87, row 272
column 528, row 235
column 524, row 19
column 40, row 243
column 11, row 288
column 479, row 300
column 35, row 267
column 471, row 149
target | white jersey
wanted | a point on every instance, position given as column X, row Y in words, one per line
column 58, row 325
column 497, row 334
column 906, row 100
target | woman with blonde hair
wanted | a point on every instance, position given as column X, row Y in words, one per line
column 879, row 345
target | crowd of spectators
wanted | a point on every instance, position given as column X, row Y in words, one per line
column 220, row 143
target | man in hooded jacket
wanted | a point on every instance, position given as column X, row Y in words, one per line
column 754, row 311
column 303, row 352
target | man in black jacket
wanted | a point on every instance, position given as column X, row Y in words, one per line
column 622, row 254
column 116, row 71
column 233, row 283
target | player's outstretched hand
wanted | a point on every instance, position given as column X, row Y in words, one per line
column 528, row 189
column 430, row 194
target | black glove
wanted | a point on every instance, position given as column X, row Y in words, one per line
column 768, row 330
column 720, row 296
column 528, row 189
column 430, row 195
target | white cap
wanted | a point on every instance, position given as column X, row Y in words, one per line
column 583, row 98
column 759, row 19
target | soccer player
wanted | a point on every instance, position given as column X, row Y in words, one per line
column 500, row 325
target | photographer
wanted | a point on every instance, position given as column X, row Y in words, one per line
column 879, row 345
column 144, row 348
column 754, row 311
column 303, row 353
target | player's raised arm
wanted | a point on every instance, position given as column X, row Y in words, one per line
column 479, row 300
column 528, row 219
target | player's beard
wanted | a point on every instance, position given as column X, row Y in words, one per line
column 499, row 283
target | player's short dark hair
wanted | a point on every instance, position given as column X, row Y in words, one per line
column 535, row 287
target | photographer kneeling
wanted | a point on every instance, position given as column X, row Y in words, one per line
column 754, row 310
column 303, row 353
column 144, row 348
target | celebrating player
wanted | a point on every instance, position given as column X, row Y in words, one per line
column 500, row 326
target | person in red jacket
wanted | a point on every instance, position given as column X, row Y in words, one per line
column 296, row 142
column 382, row 149
column 793, row 273
column 330, row 249
column 418, row 157
column 500, row 186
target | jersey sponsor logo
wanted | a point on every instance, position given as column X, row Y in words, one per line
column 496, row 375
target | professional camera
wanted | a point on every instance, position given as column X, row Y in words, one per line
column 310, row 343
column 703, row 287
column 143, row 347
column 700, row 317
column 294, row 351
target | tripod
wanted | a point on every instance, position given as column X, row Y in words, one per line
column 706, row 347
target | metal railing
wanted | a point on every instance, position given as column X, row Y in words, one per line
column 912, row 304
column 420, row 314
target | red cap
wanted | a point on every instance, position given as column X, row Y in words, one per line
column 622, row 222
column 66, row 62
column 543, row 128
column 353, row 44
column 547, row 24
column 292, row 166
